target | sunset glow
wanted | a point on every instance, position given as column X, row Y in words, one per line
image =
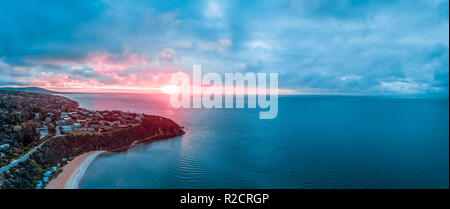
column 242, row 96
column 169, row 89
column 91, row 47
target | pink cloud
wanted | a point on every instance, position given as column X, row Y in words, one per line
column 143, row 80
column 76, row 68
column 110, row 71
column 167, row 53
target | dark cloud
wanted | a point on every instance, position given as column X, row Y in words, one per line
column 352, row 46
column 44, row 27
column 12, row 83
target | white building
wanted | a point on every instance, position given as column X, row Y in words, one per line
column 4, row 146
column 66, row 128
column 64, row 115
column 43, row 131
column 43, row 134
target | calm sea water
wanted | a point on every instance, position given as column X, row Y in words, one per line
column 315, row 142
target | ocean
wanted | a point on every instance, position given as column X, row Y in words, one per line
column 315, row 142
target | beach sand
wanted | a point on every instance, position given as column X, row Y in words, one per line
column 73, row 171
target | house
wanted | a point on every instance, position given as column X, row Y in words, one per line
column 17, row 128
column 49, row 173
column 64, row 115
column 76, row 125
column 4, row 146
column 43, row 131
column 43, row 128
column 40, row 185
column 43, row 134
column 88, row 129
column 48, row 120
column 66, row 128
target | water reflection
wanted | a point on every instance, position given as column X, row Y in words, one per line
column 316, row 142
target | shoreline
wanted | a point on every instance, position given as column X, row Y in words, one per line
column 73, row 171
column 37, row 167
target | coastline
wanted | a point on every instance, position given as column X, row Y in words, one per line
column 116, row 131
column 73, row 171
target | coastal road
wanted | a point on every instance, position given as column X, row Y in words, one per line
column 24, row 157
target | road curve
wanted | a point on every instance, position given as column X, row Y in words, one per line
column 23, row 158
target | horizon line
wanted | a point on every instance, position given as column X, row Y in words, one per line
column 281, row 92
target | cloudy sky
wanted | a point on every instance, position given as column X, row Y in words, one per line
column 322, row 46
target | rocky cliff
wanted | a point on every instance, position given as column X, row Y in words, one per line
column 27, row 173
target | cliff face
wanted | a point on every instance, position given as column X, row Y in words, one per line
column 51, row 153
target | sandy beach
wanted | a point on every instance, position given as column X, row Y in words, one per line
column 73, row 171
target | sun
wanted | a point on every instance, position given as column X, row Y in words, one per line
column 169, row 89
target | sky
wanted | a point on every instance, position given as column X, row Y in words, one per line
column 317, row 47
